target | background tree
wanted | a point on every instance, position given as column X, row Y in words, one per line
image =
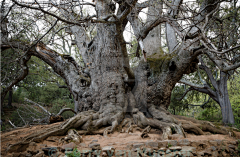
column 222, row 38
column 216, row 88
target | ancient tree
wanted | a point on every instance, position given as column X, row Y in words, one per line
column 106, row 91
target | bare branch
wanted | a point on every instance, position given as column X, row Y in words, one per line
column 46, row 12
column 129, row 8
column 209, row 73
column 64, row 110
column 191, row 84
column 199, row 105
column 232, row 67
column 185, row 93
column 142, row 5
column 30, row 101
column 215, row 51
column 201, row 88
column 21, row 118
column 12, row 124
column 221, row 64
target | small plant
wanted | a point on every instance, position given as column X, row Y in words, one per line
column 74, row 153
column 223, row 149
column 169, row 145
column 173, row 130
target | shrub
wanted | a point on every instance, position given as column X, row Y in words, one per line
column 74, row 153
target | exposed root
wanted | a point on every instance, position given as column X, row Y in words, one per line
column 125, row 122
column 161, row 114
column 166, row 133
column 114, row 121
column 39, row 136
column 145, row 132
column 179, row 129
column 73, row 135
column 58, row 118
column 193, row 128
column 129, row 129
column 212, row 129
column 89, row 122
column 197, row 126
column 106, row 131
column 142, row 121
column 64, row 110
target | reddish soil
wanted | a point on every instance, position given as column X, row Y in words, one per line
column 118, row 140
column 191, row 137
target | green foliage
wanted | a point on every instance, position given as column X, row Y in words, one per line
column 58, row 104
column 18, row 95
column 234, row 92
column 9, row 66
column 169, row 145
column 74, row 153
column 16, row 119
column 41, row 84
column 177, row 106
column 212, row 113
column 41, row 87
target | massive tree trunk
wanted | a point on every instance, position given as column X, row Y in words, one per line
column 109, row 95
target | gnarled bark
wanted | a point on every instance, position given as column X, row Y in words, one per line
column 111, row 95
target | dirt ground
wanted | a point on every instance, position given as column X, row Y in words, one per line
column 118, row 140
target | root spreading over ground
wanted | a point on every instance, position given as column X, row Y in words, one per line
column 91, row 122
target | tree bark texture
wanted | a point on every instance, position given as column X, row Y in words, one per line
column 106, row 91
column 223, row 99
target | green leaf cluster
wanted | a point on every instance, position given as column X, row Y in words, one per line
column 234, row 96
